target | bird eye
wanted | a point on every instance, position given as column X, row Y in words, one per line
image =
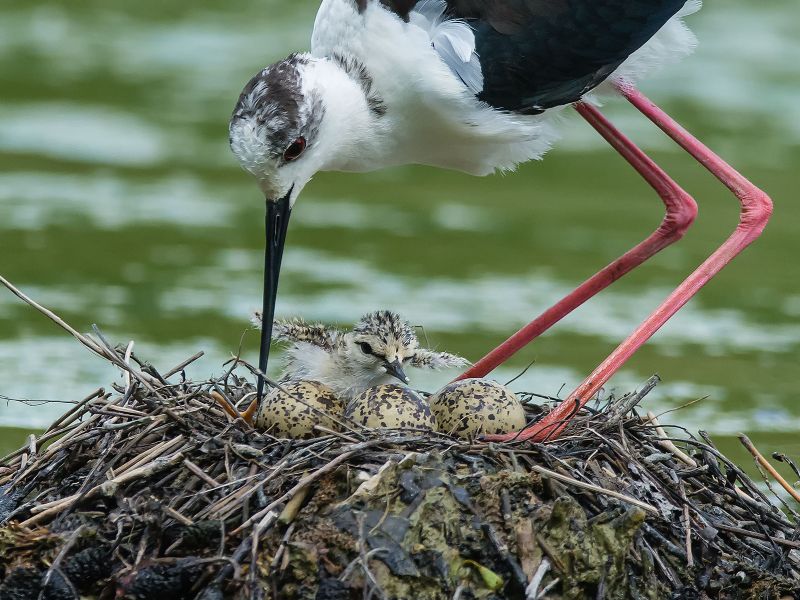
column 295, row 149
column 366, row 348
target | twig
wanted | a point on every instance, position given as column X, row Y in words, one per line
column 758, row 536
column 201, row 474
column 627, row 403
column 532, row 591
column 75, row 412
column 177, row 516
column 667, row 444
column 127, row 359
column 304, row 482
column 105, row 489
column 183, row 365
column 766, row 464
column 258, row 531
column 87, row 341
column 595, row 488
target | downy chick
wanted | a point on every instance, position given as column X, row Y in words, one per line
column 377, row 350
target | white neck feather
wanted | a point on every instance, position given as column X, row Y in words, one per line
column 350, row 134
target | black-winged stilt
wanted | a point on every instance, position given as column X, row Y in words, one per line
column 472, row 85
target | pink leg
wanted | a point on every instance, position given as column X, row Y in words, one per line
column 681, row 212
column 756, row 208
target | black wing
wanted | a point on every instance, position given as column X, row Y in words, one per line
column 536, row 54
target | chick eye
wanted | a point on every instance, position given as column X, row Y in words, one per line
column 295, row 149
column 366, row 348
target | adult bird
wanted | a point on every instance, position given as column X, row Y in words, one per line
column 474, row 85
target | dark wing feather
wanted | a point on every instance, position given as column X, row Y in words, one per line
column 536, row 54
column 401, row 7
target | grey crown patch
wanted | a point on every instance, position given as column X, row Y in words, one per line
column 274, row 97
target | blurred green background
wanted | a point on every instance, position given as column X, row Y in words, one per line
column 121, row 205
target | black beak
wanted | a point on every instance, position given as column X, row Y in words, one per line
column 395, row 369
column 277, row 222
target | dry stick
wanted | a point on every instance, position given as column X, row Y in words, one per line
column 87, row 341
column 114, row 352
column 305, row 481
column 177, row 516
column 64, row 421
column 155, row 451
column 532, row 591
column 75, row 412
column 785, row 459
column 333, row 432
column 127, row 359
column 258, row 531
column 757, row 536
column 293, row 507
column 105, row 488
column 687, row 520
column 201, row 474
column 627, row 403
column 667, row 444
column 240, row 494
column 22, row 472
column 765, row 463
column 594, row 488
column 161, row 408
column 46, row 437
column 183, row 365
column 70, row 436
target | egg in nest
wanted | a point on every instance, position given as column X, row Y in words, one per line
column 473, row 407
column 291, row 413
column 391, row 406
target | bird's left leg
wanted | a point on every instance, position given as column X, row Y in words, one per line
column 755, row 211
column 681, row 211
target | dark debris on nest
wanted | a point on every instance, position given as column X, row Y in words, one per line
column 153, row 492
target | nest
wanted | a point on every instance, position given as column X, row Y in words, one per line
column 152, row 491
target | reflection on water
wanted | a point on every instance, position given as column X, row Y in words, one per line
column 120, row 205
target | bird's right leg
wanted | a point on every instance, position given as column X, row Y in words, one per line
column 681, row 211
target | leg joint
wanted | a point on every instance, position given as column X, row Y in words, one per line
column 681, row 213
column 756, row 208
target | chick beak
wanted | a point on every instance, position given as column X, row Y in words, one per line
column 395, row 369
column 277, row 222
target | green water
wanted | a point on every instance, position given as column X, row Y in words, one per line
column 121, row 205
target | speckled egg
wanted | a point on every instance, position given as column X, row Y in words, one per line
column 391, row 406
column 473, row 407
column 289, row 414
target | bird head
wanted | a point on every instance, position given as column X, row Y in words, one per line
column 382, row 343
column 275, row 126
